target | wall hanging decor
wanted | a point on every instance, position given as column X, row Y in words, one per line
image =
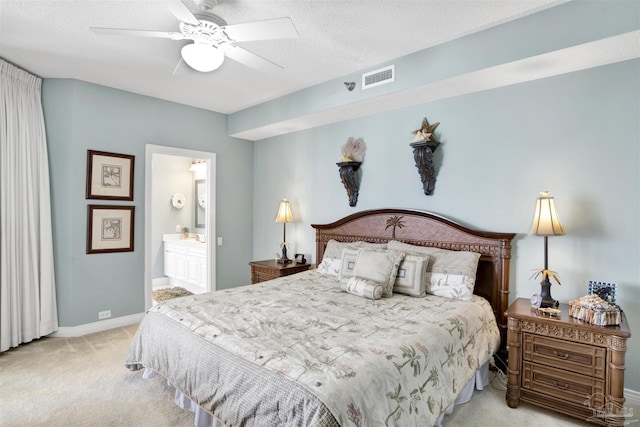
column 178, row 200
column 424, row 144
column 109, row 176
column 110, row 228
column 352, row 157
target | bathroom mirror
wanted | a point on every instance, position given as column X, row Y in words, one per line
column 200, row 202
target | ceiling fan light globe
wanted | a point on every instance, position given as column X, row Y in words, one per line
column 202, row 57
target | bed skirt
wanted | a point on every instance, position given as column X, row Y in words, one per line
column 204, row 419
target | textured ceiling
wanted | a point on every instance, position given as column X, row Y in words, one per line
column 337, row 37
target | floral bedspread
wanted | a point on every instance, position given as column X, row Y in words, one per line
column 393, row 361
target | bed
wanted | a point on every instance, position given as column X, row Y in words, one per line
column 299, row 350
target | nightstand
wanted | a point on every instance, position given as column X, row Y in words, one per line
column 565, row 364
column 270, row 269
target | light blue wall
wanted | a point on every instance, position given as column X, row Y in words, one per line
column 81, row 116
column 577, row 135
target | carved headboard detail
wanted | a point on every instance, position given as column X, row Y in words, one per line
column 426, row 229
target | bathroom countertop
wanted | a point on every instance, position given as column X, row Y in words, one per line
column 179, row 238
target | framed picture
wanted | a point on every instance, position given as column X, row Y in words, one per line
column 110, row 228
column 109, row 176
column 606, row 291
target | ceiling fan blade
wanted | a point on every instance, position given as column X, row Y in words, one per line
column 138, row 33
column 279, row 28
column 178, row 68
column 182, row 12
column 249, row 59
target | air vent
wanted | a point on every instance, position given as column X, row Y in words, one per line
column 378, row 77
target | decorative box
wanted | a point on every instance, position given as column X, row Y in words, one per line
column 595, row 310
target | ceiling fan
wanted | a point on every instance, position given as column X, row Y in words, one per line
column 213, row 39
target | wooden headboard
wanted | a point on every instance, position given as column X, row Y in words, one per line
column 426, row 229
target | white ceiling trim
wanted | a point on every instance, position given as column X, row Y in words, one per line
column 606, row 51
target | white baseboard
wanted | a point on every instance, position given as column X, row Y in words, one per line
column 160, row 282
column 102, row 325
column 631, row 397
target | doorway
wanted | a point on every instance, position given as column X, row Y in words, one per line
column 156, row 200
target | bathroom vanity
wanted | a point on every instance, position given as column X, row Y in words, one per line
column 185, row 262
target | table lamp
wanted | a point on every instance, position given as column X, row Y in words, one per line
column 546, row 223
column 284, row 216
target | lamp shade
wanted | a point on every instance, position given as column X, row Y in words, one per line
column 284, row 212
column 545, row 220
column 202, row 57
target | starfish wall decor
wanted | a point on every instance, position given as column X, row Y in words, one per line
column 424, row 144
column 426, row 132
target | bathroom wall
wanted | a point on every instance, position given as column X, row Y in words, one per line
column 170, row 175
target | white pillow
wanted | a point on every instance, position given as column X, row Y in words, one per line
column 450, row 274
column 455, row 286
column 334, row 248
column 411, row 276
column 347, row 263
column 362, row 287
column 378, row 266
column 329, row 266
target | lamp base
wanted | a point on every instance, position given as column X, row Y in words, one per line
column 284, row 259
column 547, row 301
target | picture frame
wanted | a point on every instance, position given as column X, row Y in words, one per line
column 606, row 291
column 109, row 176
column 110, row 228
column 300, row 259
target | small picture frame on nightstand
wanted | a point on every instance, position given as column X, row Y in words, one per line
column 606, row 291
column 300, row 259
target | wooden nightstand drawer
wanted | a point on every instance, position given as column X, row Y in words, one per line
column 261, row 271
column 263, row 276
column 562, row 385
column 580, row 358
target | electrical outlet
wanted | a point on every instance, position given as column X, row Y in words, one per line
column 104, row 314
column 178, row 228
column 219, row 241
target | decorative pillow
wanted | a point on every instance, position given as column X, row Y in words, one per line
column 329, row 266
column 455, row 286
column 362, row 287
column 450, row 274
column 378, row 266
column 347, row 263
column 411, row 277
column 334, row 248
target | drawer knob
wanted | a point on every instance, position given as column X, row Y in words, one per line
column 561, row 386
column 564, row 356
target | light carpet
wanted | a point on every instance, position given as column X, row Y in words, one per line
column 83, row 382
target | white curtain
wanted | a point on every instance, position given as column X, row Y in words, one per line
column 27, row 284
